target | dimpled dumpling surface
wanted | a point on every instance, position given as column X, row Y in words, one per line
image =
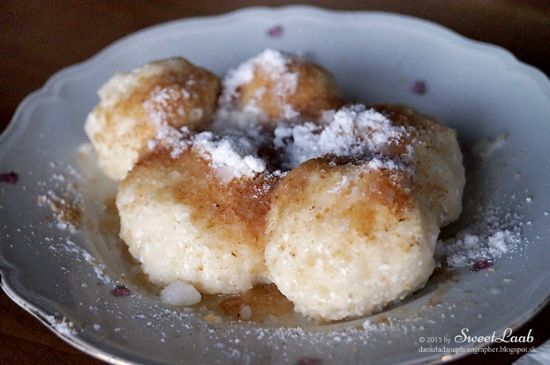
column 344, row 241
column 182, row 223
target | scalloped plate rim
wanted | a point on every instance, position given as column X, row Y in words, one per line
column 18, row 124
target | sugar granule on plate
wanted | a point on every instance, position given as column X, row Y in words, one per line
column 467, row 248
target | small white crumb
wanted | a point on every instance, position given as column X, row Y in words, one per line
column 180, row 293
column 528, row 199
column 273, row 63
column 62, row 326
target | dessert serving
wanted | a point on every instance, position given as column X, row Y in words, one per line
column 270, row 176
column 276, row 212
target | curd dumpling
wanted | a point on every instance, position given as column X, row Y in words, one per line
column 133, row 106
column 344, row 241
column 182, row 223
column 276, row 85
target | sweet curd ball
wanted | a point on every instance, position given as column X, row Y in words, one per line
column 134, row 105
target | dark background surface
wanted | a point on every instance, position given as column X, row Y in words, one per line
column 37, row 38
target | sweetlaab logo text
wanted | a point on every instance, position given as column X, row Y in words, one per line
column 506, row 337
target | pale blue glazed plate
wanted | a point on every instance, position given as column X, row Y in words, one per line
column 65, row 278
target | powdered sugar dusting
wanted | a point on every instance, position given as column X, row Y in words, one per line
column 160, row 104
column 273, row 63
column 353, row 131
column 174, row 139
column 466, row 248
column 61, row 325
column 492, row 235
column 235, row 138
column 233, row 155
column 270, row 63
column 63, row 196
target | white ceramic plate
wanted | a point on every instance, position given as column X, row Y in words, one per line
column 479, row 89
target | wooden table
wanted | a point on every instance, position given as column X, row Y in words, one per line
column 38, row 38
